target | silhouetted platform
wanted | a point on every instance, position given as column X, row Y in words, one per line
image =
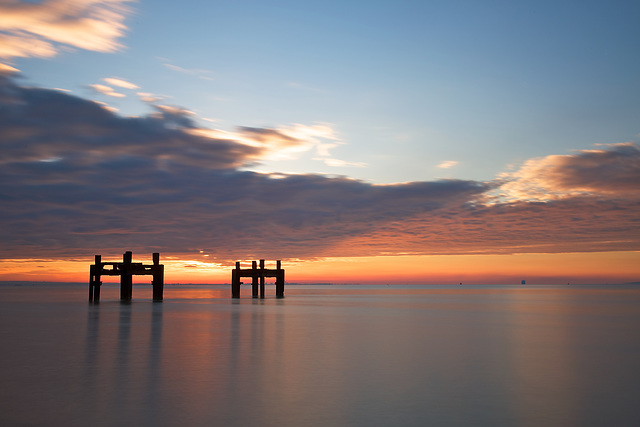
column 257, row 278
column 126, row 270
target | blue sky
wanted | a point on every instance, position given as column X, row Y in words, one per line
column 405, row 85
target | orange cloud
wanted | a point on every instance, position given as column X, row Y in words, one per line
column 611, row 171
column 574, row 224
column 107, row 90
column 447, row 164
column 120, row 83
column 7, row 70
column 36, row 29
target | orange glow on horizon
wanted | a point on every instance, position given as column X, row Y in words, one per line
column 597, row 267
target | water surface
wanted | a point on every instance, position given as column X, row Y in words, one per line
column 322, row 356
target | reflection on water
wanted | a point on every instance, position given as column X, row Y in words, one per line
column 325, row 355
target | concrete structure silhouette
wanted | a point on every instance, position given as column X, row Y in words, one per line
column 126, row 270
column 257, row 279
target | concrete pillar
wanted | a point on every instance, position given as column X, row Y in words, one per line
column 235, row 281
column 92, row 274
column 126, row 278
column 254, row 279
column 94, row 279
column 158, row 278
column 279, row 280
column 261, row 278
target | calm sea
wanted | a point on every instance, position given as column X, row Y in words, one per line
column 322, row 356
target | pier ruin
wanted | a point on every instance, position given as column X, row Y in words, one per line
column 258, row 275
column 126, row 270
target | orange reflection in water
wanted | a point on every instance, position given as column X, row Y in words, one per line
column 442, row 351
column 196, row 292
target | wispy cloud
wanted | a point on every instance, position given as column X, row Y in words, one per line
column 106, row 90
column 197, row 72
column 301, row 86
column 110, row 91
column 447, row 164
column 39, row 29
column 148, row 97
column 113, row 81
column 337, row 163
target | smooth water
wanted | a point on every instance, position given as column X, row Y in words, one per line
column 322, row 356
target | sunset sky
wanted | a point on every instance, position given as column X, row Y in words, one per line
column 357, row 141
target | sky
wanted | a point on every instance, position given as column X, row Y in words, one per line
column 359, row 142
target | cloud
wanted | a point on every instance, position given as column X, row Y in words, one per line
column 301, row 86
column 40, row 124
column 288, row 142
column 447, row 164
column 198, row 72
column 175, row 116
column 336, row 163
column 148, row 97
column 279, row 143
column 105, row 106
column 611, row 171
column 107, row 90
column 573, row 224
column 24, row 45
column 30, row 29
column 77, row 179
column 7, row 70
column 120, row 83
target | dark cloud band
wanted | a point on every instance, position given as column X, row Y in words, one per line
column 77, row 179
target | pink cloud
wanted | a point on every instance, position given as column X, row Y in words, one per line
column 614, row 170
column 573, row 224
